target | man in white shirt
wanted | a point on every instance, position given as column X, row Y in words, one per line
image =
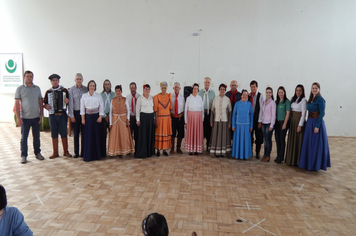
column 107, row 95
column 177, row 114
column 208, row 96
column 132, row 100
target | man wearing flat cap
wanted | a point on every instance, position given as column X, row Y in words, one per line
column 55, row 101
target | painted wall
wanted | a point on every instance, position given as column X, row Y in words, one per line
column 274, row 42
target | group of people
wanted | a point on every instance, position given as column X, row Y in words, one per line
column 146, row 125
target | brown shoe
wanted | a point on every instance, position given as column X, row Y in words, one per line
column 65, row 147
column 267, row 159
column 55, row 148
column 263, row 158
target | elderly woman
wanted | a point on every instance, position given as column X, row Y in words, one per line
column 242, row 123
column 193, row 117
column 315, row 154
column 145, row 121
column 220, row 121
column 92, row 110
column 162, row 107
column 120, row 141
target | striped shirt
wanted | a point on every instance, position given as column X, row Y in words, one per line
column 75, row 95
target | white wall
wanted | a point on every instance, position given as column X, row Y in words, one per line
column 274, row 42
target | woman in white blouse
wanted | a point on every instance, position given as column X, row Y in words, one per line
column 92, row 110
column 146, row 124
column 296, row 130
column 220, row 121
column 194, row 117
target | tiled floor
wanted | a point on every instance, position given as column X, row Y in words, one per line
column 195, row 193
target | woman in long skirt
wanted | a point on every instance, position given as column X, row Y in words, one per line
column 163, row 133
column 242, row 123
column 194, row 116
column 120, row 139
column 268, row 111
column 296, row 129
column 146, row 124
column 92, row 110
column 220, row 121
column 315, row 154
column 281, row 125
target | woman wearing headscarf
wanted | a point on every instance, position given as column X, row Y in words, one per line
column 162, row 107
column 120, row 139
column 220, row 121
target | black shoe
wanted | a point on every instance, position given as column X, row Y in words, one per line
column 258, row 156
column 165, row 153
column 195, row 153
column 190, row 153
column 120, row 156
column 158, row 153
column 278, row 162
column 75, row 156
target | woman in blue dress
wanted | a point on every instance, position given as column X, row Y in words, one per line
column 242, row 123
column 315, row 154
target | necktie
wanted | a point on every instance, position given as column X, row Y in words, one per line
column 176, row 106
column 132, row 103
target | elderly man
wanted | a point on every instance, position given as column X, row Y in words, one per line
column 75, row 95
column 177, row 114
column 11, row 219
column 132, row 98
column 208, row 96
column 55, row 101
column 107, row 95
column 31, row 115
column 233, row 94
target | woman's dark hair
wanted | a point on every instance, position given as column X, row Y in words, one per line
column 269, row 88
column 118, row 87
column 195, row 84
column 155, row 224
column 3, row 200
column 285, row 95
column 254, row 82
column 244, row 90
column 222, row 85
column 311, row 97
column 295, row 97
column 91, row 81
column 104, row 84
column 146, row 86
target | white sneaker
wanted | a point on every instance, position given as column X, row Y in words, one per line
column 40, row 157
column 23, row 160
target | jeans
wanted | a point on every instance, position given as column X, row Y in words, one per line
column 58, row 125
column 280, row 136
column 25, row 129
column 267, row 135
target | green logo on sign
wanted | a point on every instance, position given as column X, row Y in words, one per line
column 11, row 66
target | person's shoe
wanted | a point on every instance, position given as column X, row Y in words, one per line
column 195, row 153
column 75, row 156
column 23, row 160
column 158, row 153
column 267, row 159
column 190, row 153
column 39, row 157
column 165, row 153
column 258, row 156
column 263, row 158
column 120, row 156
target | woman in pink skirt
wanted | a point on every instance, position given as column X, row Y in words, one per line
column 194, row 117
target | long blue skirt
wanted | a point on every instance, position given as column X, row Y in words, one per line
column 241, row 143
column 93, row 138
column 315, row 154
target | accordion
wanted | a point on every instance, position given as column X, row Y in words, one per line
column 56, row 101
